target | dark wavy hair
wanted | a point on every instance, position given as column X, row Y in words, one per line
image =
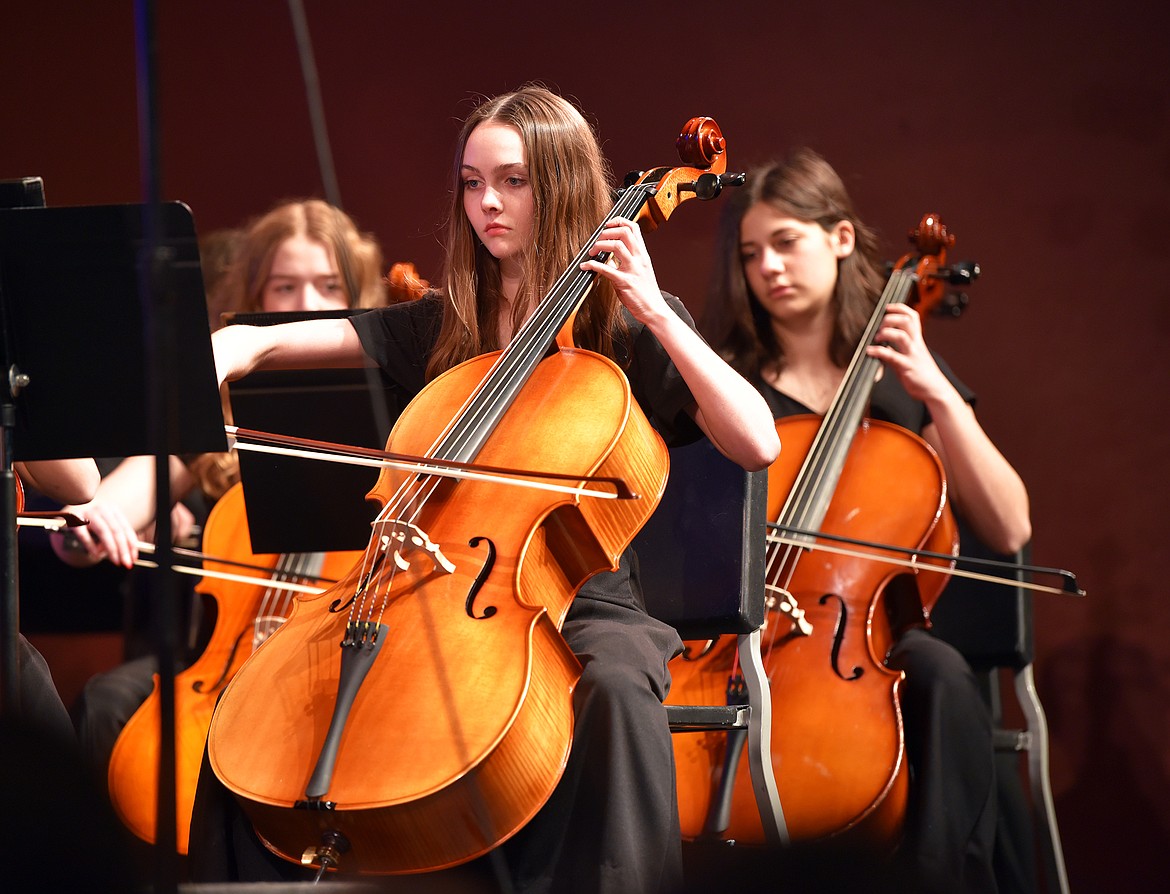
column 803, row 186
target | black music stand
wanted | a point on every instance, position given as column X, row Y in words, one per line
column 297, row 505
column 79, row 354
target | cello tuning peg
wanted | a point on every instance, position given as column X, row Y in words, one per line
column 708, row 185
column 961, row 273
column 631, row 178
column 952, row 305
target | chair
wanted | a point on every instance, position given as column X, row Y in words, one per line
column 701, row 557
column 991, row 625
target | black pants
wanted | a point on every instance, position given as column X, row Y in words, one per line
column 950, row 823
column 41, row 708
column 107, row 703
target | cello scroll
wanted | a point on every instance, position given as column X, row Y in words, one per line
column 702, row 149
column 932, row 239
column 403, row 283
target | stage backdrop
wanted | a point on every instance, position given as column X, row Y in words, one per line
column 1038, row 131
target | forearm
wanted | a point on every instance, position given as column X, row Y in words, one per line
column 63, row 480
column 984, row 488
column 730, row 411
column 131, row 486
column 121, row 514
column 240, row 350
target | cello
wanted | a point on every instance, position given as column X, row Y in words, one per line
column 443, row 721
column 837, row 740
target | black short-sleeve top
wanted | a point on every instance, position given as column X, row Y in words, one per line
column 889, row 401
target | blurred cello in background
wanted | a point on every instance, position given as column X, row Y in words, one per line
column 248, row 609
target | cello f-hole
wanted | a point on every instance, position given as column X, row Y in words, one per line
column 477, row 584
column 197, row 686
column 839, row 637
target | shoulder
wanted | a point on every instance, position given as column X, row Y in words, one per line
column 678, row 307
column 416, row 320
column 400, row 338
column 960, row 386
column 657, row 384
column 419, row 311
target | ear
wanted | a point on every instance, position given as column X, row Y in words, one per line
column 843, row 239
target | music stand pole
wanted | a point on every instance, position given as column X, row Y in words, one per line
column 29, row 191
column 26, row 192
column 160, row 331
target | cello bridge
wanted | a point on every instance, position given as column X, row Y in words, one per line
column 404, row 538
column 780, row 600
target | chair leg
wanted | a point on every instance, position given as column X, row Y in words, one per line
column 760, row 738
column 1055, row 876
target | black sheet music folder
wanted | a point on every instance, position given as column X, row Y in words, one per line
column 297, row 505
column 71, row 286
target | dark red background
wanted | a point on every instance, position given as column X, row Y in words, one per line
column 1038, row 131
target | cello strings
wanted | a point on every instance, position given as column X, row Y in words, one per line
column 527, row 349
column 262, row 626
column 277, row 596
column 820, row 470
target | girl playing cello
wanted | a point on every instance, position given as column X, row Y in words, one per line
column 529, row 187
column 796, row 281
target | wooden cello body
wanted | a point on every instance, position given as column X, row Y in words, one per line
column 420, row 712
column 837, row 744
column 837, row 737
column 246, row 614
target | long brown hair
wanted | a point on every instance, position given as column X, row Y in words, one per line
column 803, row 186
column 358, row 255
column 571, row 194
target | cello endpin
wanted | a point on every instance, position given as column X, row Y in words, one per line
column 326, row 855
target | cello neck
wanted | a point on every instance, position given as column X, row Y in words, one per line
column 808, row 501
column 917, row 279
